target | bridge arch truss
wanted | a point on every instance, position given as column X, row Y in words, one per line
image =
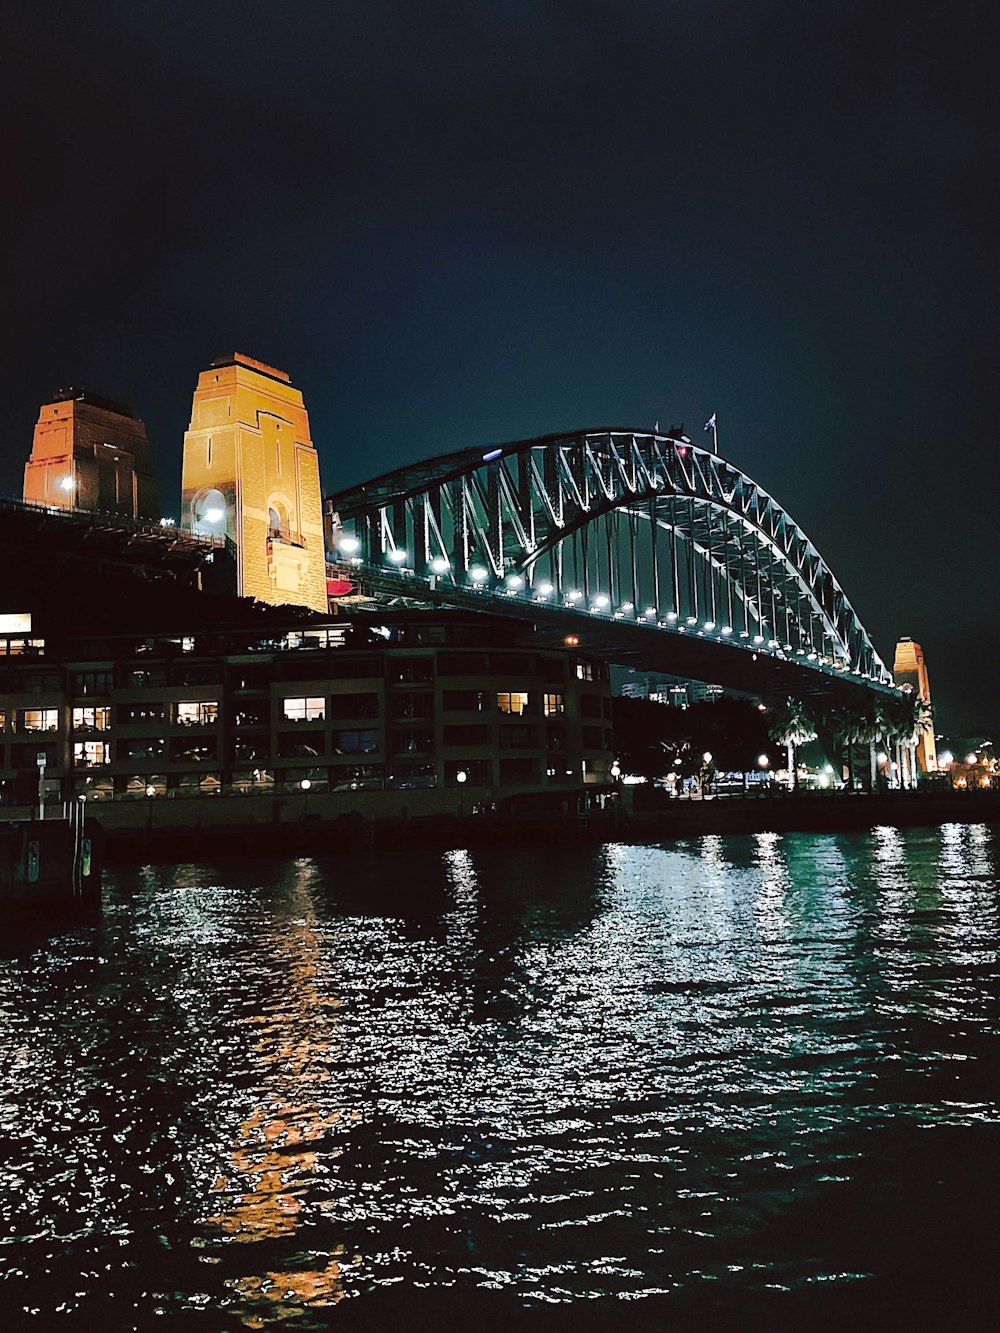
column 619, row 525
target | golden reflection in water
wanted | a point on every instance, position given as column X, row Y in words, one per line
column 274, row 1157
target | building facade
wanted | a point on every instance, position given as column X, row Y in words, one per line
column 91, row 453
column 251, row 474
column 434, row 707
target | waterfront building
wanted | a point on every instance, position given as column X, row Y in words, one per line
column 442, row 709
column 91, row 453
column 909, row 671
column 251, row 476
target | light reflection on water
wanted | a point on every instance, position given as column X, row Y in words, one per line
column 253, row 1092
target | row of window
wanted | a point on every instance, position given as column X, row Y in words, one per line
column 201, row 749
column 353, row 741
column 300, row 708
column 98, row 717
column 101, row 681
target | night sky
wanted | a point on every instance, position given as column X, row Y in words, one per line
column 459, row 223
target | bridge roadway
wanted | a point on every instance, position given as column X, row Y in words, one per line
column 735, row 664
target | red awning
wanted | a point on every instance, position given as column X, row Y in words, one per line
column 338, row 587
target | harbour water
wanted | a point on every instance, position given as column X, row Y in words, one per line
column 742, row 1082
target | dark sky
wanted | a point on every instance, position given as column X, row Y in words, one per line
column 458, row 223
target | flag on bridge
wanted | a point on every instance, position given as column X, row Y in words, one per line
column 710, row 423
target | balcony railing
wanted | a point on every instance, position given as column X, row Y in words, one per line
column 286, row 537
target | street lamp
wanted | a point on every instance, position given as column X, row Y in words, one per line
column 461, row 777
column 305, row 784
column 150, row 793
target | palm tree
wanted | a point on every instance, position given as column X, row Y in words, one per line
column 790, row 724
column 863, row 725
column 908, row 717
column 868, row 725
column 846, row 723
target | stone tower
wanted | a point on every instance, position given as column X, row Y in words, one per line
column 91, row 453
column 251, row 474
column 910, row 670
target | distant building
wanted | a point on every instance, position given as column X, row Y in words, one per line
column 251, row 474
column 909, row 671
column 675, row 691
column 91, row 453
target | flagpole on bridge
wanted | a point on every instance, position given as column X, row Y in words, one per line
column 710, row 424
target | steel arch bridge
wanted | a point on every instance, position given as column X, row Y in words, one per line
column 648, row 549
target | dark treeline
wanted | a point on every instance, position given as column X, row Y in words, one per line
column 652, row 737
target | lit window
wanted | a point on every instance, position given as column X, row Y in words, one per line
column 554, row 705
column 515, row 702
column 584, row 671
column 91, row 719
column 39, row 719
column 198, row 714
column 22, row 647
column 90, row 754
column 304, row 710
column 3, row 719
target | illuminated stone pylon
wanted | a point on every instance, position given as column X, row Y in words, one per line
column 251, row 474
column 910, row 669
column 91, row 453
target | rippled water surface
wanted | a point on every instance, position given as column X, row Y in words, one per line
column 736, row 1082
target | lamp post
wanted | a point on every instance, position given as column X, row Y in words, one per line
column 150, row 793
column 461, row 777
column 305, row 784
